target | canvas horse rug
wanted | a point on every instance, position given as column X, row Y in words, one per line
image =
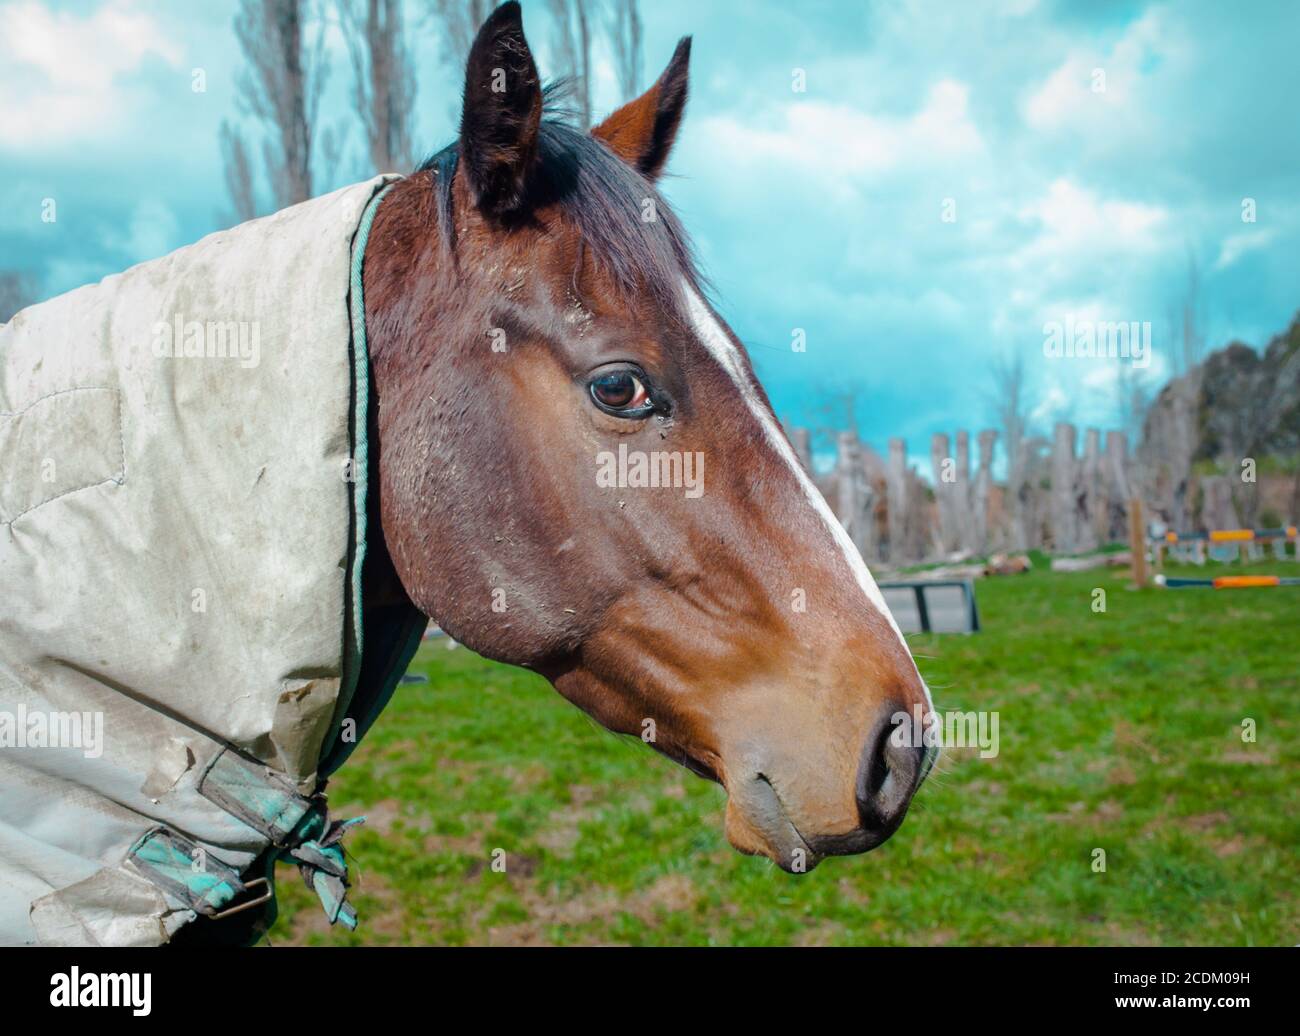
column 185, row 494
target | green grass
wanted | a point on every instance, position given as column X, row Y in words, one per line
column 1119, row 731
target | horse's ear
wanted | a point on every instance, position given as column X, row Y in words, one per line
column 502, row 113
column 642, row 131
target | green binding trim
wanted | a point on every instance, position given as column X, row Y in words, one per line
column 334, row 753
column 353, row 620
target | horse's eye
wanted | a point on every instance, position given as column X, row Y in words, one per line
column 621, row 393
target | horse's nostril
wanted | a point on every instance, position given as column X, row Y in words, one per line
column 888, row 774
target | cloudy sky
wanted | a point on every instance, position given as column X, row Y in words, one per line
column 951, row 177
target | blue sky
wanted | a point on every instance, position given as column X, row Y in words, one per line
column 822, row 209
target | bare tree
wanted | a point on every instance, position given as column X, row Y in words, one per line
column 383, row 88
column 329, row 156
column 832, row 411
column 459, row 21
column 1167, row 454
column 281, row 89
column 573, row 53
column 625, row 42
column 1189, row 321
column 575, row 25
column 16, row 292
column 239, row 175
column 1010, row 411
column 1132, row 397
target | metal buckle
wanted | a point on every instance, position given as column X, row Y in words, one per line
column 251, row 903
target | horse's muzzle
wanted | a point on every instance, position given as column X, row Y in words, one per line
column 890, row 771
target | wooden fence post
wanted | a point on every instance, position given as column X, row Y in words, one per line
column 1137, row 541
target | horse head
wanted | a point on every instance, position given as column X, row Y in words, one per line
column 580, row 473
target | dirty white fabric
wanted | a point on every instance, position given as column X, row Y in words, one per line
column 176, row 519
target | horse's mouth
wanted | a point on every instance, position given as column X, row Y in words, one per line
column 797, row 857
column 698, row 767
column 759, row 824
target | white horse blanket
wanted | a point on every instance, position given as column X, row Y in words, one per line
column 183, row 491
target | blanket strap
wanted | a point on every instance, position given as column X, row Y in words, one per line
column 191, row 874
column 298, row 826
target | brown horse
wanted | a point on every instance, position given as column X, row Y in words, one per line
column 580, row 474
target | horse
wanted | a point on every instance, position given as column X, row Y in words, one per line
column 580, row 474
column 492, row 393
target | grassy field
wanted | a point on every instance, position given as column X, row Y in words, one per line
column 1120, row 731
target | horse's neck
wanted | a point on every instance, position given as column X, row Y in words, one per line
column 380, row 586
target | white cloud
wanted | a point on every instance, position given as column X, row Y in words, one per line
column 1091, row 90
column 1234, row 246
column 1102, row 379
column 67, row 272
column 1066, row 94
column 60, row 69
column 837, row 140
column 153, row 231
column 1073, row 217
column 1052, row 404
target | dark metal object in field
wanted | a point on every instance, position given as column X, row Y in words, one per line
column 937, row 606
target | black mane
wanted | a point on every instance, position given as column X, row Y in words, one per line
column 605, row 197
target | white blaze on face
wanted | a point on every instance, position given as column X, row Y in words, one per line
column 720, row 346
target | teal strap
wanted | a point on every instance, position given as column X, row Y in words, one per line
column 264, row 800
column 325, row 871
column 299, row 827
column 191, row 874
